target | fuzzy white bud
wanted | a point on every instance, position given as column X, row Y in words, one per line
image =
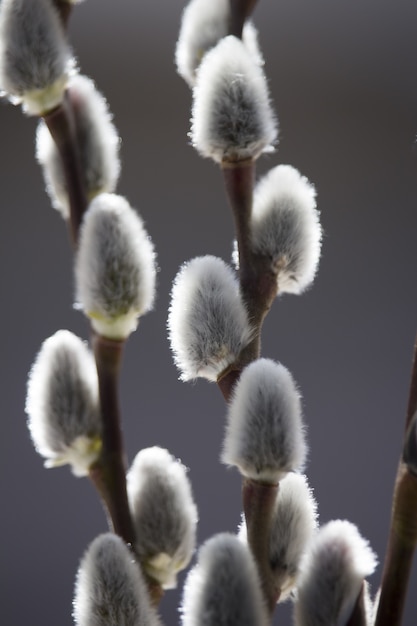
column 97, row 141
column 35, row 60
column 286, row 228
column 293, row 526
column 203, row 24
column 163, row 512
column 208, row 323
column 264, row 434
column 223, row 589
column 62, row 403
column 232, row 119
column 115, row 267
column 332, row 575
column 294, row 523
column 110, row 588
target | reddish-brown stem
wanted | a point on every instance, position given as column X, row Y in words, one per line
column 258, row 286
column 403, row 531
column 239, row 180
column 240, row 10
column 61, row 126
column 401, row 545
column 258, row 281
column 258, row 506
column 109, row 473
column 64, row 9
column 412, row 398
column 227, row 381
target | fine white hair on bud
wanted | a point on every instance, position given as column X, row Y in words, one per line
column 62, row 403
column 110, row 588
column 294, row 523
column 163, row 512
column 286, row 228
column 208, row 323
column 372, row 605
column 332, row 575
column 293, row 526
column 203, row 24
column 223, row 589
column 115, row 267
column 264, row 435
column 232, row 119
column 97, row 141
column 35, row 59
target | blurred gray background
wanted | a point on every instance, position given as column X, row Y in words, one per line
column 343, row 77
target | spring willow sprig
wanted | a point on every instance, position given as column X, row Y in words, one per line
column 215, row 325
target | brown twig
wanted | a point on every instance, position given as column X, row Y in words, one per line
column 412, row 397
column 61, row 125
column 403, row 531
column 258, row 286
column 64, row 9
column 258, row 281
column 400, row 551
column 109, row 473
column 258, row 506
column 240, row 10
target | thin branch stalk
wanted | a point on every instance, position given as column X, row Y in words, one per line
column 258, row 498
column 412, row 398
column 258, row 506
column 64, row 9
column 60, row 123
column 258, row 283
column 402, row 539
column 109, row 473
column 400, row 551
column 240, row 10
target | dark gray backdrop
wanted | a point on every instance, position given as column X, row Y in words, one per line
column 343, row 76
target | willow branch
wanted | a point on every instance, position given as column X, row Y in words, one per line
column 61, row 125
column 64, row 9
column 400, row 551
column 403, row 532
column 258, row 506
column 258, row 283
column 109, row 473
column 240, row 10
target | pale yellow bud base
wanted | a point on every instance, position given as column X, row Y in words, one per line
column 41, row 101
column 117, row 328
column 81, row 455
